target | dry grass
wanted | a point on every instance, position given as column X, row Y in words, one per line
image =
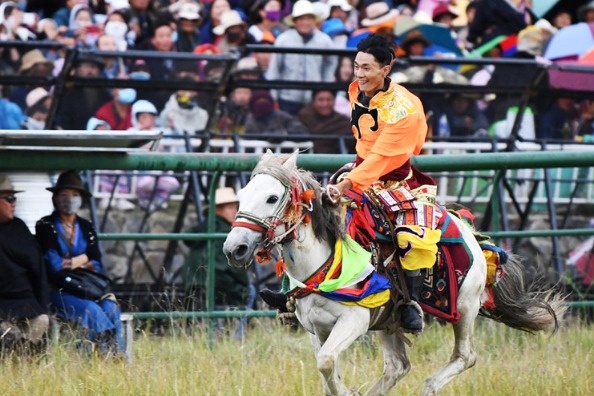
column 276, row 361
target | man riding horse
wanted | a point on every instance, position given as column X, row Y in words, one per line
column 390, row 127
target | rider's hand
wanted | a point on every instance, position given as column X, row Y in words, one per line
column 336, row 191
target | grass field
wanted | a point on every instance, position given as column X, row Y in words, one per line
column 273, row 360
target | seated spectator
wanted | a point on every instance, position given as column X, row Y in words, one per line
column 233, row 111
column 161, row 41
column 24, row 320
column 560, row 121
column 463, row 117
column 69, row 242
column 11, row 115
column 80, row 104
column 182, row 113
column 62, row 15
column 344, row 74
column 266, row 17
column 232, row 286
column 320, row 118
column 233, row 32
column 114, row 67
column 265, row 119
column 561, row 19
column 33, row 64
column 38, row 104
column 188, row 22
column 118, row 111
column 82, row 23
column 586, row 12
column 152, row 191
column 212, row 20
column 117, row 26
column 290, row 66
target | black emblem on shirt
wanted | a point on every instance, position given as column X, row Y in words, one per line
column 360, row 111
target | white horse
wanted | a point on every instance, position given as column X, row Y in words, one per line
column 273, row 213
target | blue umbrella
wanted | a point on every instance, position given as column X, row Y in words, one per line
column 571, row 41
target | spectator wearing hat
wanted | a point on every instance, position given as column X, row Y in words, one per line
column 213, row 19
column 69, row 241
column 321, row 119
column 344, row 11
column 415, row 44
column 24, row 319
column 188, row 23
column 291, row 67
column 264, row 119
column 267, row 25
column 444, row 14
column 33, row 64
column 80, row 104
column 232, row 286
column 38, row 104
column 379, row 19
column 232, row 32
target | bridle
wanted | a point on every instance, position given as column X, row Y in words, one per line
column 289, row 212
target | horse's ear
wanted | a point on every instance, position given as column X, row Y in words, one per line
column 291, row 162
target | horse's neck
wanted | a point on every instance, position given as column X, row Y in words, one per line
column 308, row 254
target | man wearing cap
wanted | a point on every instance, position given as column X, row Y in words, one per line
column 23, row 283
column 232, row 286
column 301, row 67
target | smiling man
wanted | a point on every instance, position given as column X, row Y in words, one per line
column 390, row 127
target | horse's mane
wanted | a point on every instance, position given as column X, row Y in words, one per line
column 325, row 219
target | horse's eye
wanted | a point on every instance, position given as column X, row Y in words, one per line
column 272, row 199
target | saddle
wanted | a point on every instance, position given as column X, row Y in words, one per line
column 371, row 226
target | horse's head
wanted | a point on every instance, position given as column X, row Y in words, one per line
column 271, row 207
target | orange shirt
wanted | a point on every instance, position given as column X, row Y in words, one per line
column 388, row 132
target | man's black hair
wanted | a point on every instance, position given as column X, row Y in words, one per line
column 376, row 45
column 315, row 92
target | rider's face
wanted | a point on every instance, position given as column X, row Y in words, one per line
column 369, row 73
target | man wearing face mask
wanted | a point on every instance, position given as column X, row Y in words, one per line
column 182, row 113
column 118, row 111
column 70, row 242
column 233, row 31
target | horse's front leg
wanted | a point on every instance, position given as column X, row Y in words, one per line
column 396, row 363
column 347, row 329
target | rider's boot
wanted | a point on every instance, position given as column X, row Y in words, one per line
column 276, row 300
column 410, row 317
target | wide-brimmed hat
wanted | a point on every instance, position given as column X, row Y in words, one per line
column 70, row 180
column 228, row 19
column 224, row 195
column 301, row 8
column 6, row 185
column 378, row 13
column 443, row 9
column 342, row 4
column 189, row 11
column 412, row 37
column 35, row 96
column 33, row 58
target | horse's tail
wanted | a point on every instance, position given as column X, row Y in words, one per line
column 528, row 309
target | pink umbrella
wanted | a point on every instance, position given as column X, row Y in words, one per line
column 571, row 79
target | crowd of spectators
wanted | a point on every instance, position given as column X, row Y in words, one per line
column 222, row 26
column 465, row 28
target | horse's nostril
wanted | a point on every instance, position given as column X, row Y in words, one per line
column 241, row 251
